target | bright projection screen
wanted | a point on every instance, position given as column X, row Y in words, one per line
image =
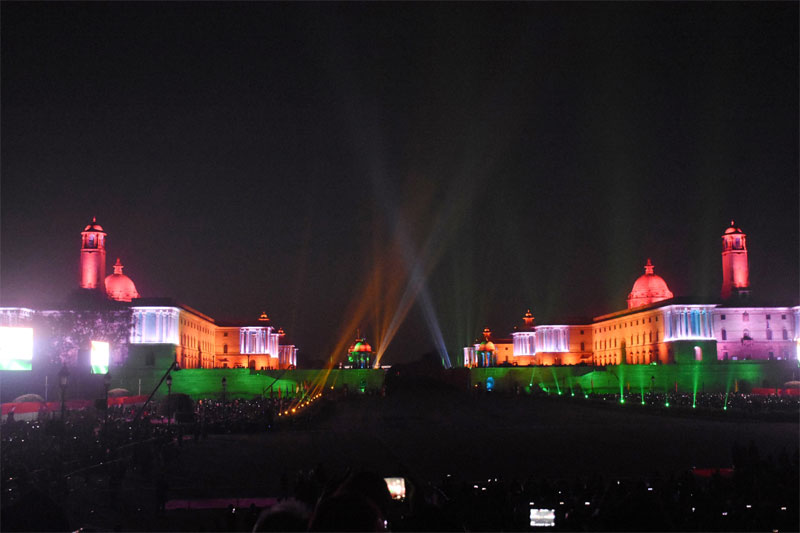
column 99, row 357
column 16, row 348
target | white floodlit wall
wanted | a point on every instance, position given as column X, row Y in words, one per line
column 470, row 356
column 552, row 339
column 155, row 325
column 15, row 316
column 547, row 339
column 258, row 340
column 684, row 322
column 524, row 343
column 287, row 356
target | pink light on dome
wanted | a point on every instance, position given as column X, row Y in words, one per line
column 649, row 288
column 120, row 287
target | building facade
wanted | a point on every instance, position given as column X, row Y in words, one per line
column 657, row 328
column 155, row 328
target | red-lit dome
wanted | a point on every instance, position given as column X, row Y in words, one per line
column 361, row 345
column 93, row 226
column 488, row 346
column 648, row 289
column 732, row 229
column 119, row 286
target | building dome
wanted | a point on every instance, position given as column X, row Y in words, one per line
column 362, row 346
column 119, row 286
column 93, row 226
column 488, row 346
column 733, row 229
column 648, row 289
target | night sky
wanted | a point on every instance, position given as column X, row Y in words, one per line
column 399, row 168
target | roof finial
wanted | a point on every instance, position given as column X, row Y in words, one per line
column 118, row 267
column 648, row 268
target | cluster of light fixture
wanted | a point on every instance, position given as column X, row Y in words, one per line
column 305, row 403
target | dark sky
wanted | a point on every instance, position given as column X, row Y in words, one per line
column 399, row 168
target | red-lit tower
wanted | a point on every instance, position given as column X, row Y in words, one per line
column 735, row 272
column 93, row 256
column 528, row 320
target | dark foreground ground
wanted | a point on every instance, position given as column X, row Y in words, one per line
column 424, row 436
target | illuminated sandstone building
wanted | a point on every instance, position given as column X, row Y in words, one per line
column 657, row 328
column 156, row 329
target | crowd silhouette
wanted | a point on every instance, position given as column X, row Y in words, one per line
column 43, row 460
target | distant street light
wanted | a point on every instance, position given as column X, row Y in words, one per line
column 63, row 379
column 169, row 399
column 107, row 385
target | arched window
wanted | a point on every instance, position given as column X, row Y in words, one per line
column 769, row 334
column 724, row 334
column 785, row 334
column 224, row 348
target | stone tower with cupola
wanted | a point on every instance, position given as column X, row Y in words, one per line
column 735, row 270
column 93, row 256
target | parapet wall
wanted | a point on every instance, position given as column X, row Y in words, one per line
column 688, row 377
